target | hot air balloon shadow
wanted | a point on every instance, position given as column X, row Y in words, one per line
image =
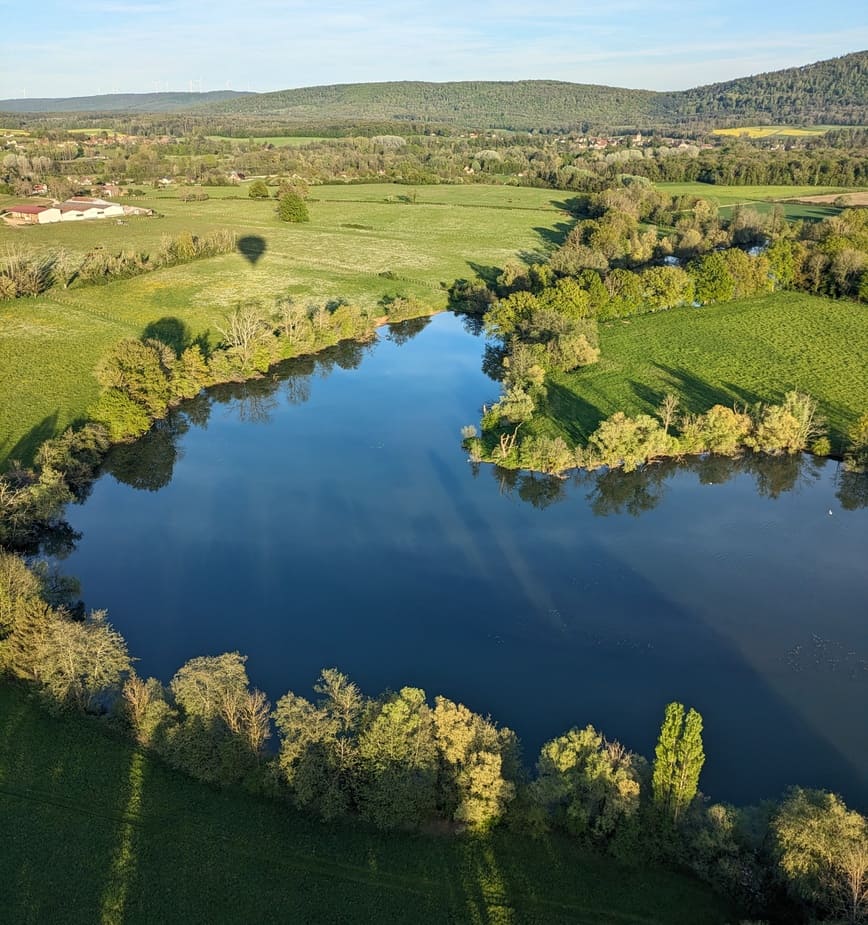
column 252, row 247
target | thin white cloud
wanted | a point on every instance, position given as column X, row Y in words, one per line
column 276, row 44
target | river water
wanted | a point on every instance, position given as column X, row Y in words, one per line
column 328, row 516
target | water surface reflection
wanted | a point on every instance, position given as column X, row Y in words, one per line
column 327, row 515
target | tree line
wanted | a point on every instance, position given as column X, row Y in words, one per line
column 574, row 161
column 397, row 761
column 26, row 273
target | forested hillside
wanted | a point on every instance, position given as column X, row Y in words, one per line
column 828, row 92
column 120, row 102
column 833, row 92
column 520, row 104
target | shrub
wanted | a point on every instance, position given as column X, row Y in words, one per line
column 821, row 447
column 856, row 458
column 291, row 208
column 628, row 442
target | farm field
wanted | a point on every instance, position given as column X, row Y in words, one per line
column 733, row 195
column 279, row 141
column 49, row 345
column 814, row 203
column 744, row 352
column 100, row 832
column 769, row 131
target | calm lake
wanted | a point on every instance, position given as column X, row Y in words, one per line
column 328, row 516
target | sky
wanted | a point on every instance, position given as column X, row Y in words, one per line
column 56, row 48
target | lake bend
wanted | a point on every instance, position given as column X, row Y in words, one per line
column 327, row 515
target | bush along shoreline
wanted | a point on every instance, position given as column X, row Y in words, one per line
column 625, row 442
column 397, row 762
column 143, row 379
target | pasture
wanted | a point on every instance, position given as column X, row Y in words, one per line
column 98, row 831
column 734, row 195
column 739, row 352
column 363, row 243
column 764, row 198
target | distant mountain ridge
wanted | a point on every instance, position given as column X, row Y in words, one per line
column 831, row 92
column 121, row 102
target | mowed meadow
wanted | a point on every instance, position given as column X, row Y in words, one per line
column 363, row 243
column 737, row 353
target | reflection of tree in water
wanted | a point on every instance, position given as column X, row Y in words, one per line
column 55, row 541
column 296, row 389
column 533, row 487
column 492, row 361
column 617, row 492
column 402, row 331
column 613, row 491
column 712, row 469
column 250, row 402
column 197, row 410
column 541, row 490
column 506, row 478
column 473, row 324
column 148, row 464
column 255, row 407
column 775, row 475
column 348, row 354
column 852, row 489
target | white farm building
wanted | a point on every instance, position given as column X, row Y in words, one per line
column 77, row 209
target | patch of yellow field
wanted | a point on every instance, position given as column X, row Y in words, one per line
column 766, row 131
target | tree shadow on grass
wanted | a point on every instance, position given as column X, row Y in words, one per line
column 554, row 235
column 175, row 333
column 488, row 274
column 23, row 451
column 695, row 394
column 576, row 416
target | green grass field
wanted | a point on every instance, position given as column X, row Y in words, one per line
column 747, row 351
column 95, row 831
column 50, row 345
column 761, row 198
column 733, row 195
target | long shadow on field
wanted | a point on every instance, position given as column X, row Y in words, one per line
column 576, row 206
column 576, row 415
column 175, row 333
column 488, row 274
column 696, row 395
column 554, row 235
column 24, row 450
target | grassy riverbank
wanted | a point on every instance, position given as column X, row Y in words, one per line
column 363, row 243
column 743, row 352
column 100, row 832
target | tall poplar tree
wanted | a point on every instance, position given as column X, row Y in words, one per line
column 678, row 761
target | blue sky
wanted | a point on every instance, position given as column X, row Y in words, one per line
column 51, row 48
